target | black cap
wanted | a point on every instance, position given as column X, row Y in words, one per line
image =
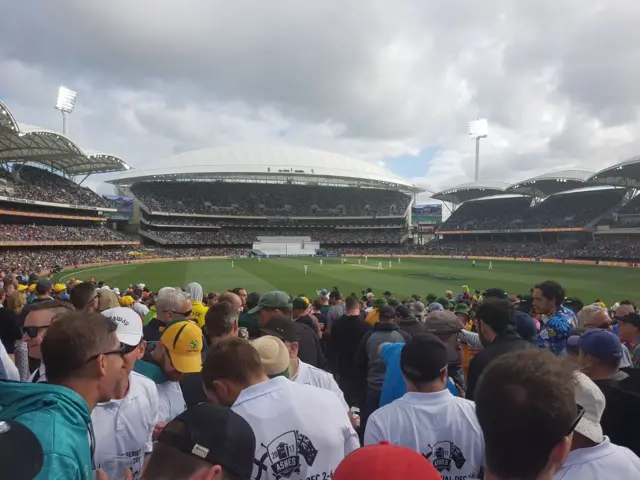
column 215, row 434
column 281, row 327
column 424, row 358
column 22, row 456
column 43, row 286
column 386, row 311
column 403, row 311
column 631, row 318
column 495, row 293
column 335, row 294
column 387, row 293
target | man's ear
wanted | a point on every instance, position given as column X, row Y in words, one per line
column 559, row 454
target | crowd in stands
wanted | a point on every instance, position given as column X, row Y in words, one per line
column 246, row 236
column 263, row 385
column 272, row 200
column 609, row 247
column 496, row 248
column 558, row 211
column 58, row 233
column 32, row 183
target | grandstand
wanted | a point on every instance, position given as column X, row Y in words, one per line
column 567, row 214
column 47, row 218
column 233, row 195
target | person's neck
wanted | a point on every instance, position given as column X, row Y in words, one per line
column 86, row 390
column 601, row 374
column 122, row 388
column 353, row 313
column 580, row 441
column 258, row 379
column 430, row 388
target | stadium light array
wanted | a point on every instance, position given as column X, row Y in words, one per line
column 66, row 103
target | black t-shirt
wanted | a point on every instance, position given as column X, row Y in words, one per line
column 308, row 321
column 9, row 328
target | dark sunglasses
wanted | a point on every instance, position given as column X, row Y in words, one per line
column 122, row 350
column 579, row 416
column 31, row 332
column 183, row 314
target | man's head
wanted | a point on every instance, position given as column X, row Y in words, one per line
column 525, row 404
column 299, row 307
column 242, row 293
column 335, row 297
column 352, row 305
column 424, row 363
column 107, row 299
column 417, row 308
column 622, row 310
column 274, row 356
column 129, row 332
column 629, row 327
column 231, row 366
column 180, row 349
column 83, row 350
column 547, row 296
column 252, row 300
column 43, row 288
column 594, row 316
column 194, row 290
column 599, row 354
column 233, row 299
column 271, row 304
column 172, row 304
column 84, row 297
column 404, row 313
column 444, row 324
column 495, row 316
column 284, row 329
column 387, row 314
column 205, row 442
column 221, row 321
column 37, row 322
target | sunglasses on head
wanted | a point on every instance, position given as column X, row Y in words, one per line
column 32, row 332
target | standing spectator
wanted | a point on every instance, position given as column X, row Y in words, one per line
column 134, row 405
column 592, row 455
column 446, row 326
column 527, row 410
column 232, row 299
column 369, row 363
column 524, row 324
column 556, row 320
column 337, row 310
column 346, row 334
column 82, row 355
column 408, row 322
column 250, row 320
column 496, row 327
column 599, row 357
column 596, row 317
column 204, row 442
column 428, row 417
column 178, row 352
column 172, row 304
column 242, row 293
column 84, row 297
column 198, row 309
column 373, row 313
column 140, row 308
column 43, row 291
column 220, row 322
column 629, row 332
column 280, row 412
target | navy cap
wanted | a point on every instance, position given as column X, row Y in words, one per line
column 598, row 343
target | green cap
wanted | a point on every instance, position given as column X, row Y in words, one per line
column 432, row 297
column 462, row 308
column 274, row 299
column 444, row 301
column 379, row 302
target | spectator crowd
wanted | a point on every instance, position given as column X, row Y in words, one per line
column 59, row 233
column 120, row 383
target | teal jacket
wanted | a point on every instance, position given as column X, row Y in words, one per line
column 60, row 418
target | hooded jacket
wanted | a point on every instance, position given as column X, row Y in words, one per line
column 60, row 419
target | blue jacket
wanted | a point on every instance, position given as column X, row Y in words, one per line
column 60, row 419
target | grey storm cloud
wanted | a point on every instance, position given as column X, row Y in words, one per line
column 375, row 79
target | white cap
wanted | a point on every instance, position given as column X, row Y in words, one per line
column 116, row 290
column 141, row 286
column 590, row 397
column 273, row 353
column 129, row 330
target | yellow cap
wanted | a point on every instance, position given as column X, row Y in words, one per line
column 22, row 288
column 183, row 340
column 32, row 287
column 126, row 301
column 601, row 304
column 59, row 287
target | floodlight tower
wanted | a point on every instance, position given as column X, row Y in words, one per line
column 66, row 102
column 478, row 129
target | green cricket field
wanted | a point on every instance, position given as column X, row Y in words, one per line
column 409, row 276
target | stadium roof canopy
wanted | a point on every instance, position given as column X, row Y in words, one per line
column 269, row 164
column 20, row 143
column 553, row 182
column 472, row 191
column 624, row 174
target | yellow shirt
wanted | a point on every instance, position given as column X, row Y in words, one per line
column 198, row 311
column 373, row 317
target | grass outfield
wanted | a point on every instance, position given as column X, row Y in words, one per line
column 413, row 275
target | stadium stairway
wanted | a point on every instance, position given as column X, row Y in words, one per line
column 147, row 234
column 592, row 224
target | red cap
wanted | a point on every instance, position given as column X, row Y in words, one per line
column 385, row 462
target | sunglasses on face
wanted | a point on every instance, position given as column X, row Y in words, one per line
column 182, row 314
column 31, row 332
column 122, row 350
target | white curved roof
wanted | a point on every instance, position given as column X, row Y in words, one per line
column 553, row 182
column 624, row 174
column 472, row 191
column 264, row 162
column 7, row 122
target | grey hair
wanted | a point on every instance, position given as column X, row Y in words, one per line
column 169, row 298
column 589, row 312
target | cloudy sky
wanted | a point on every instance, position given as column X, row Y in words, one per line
column 393, row 82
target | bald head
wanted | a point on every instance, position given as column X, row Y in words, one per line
column 623, row 310
column 233, row 299
column 593, row 316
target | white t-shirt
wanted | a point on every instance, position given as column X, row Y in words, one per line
column 302, row 432
column 310, row 375
column 438, row 425
column 600, row 462
column 170, row 401
column 123, row 428
column 140, row 308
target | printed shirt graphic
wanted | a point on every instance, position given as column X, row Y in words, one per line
column 443, row 428
column 555, row 330
column 301, row 431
